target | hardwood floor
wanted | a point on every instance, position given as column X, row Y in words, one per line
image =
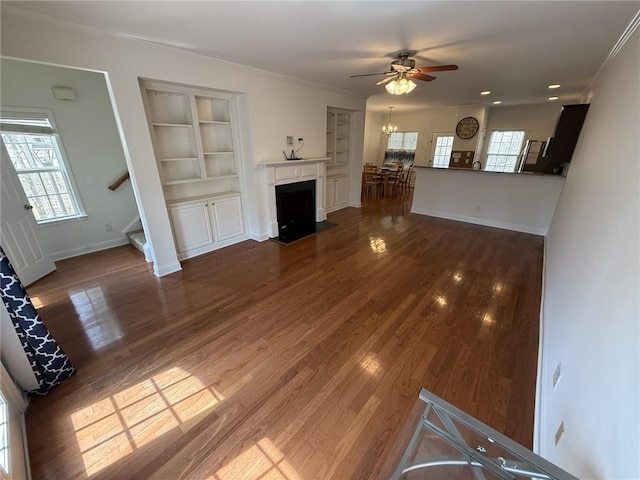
column 298, row 361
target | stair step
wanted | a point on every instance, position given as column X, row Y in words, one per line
column 137, row 239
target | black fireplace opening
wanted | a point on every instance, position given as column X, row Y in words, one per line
column 296, row 209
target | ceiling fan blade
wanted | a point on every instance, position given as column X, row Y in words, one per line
column 385, row 80
column 422, row 76
column 368, row 74
column 437, row 68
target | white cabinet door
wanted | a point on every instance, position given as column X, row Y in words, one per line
column 191, row 225
column 330, row 193
column 342, row 191
column 227, row 218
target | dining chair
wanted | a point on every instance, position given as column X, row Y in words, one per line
column 405, row 181
column 371, row 181
column 393, row 181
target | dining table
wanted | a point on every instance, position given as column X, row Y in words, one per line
column 385, row 174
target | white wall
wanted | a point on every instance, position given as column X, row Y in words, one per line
column 372, row 135
column 538, row 121
column 524, row 203
column 274, row 107
column 424, row 122
column 591, row 308
column 90, row 139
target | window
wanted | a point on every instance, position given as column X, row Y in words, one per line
column 442, row 150
column 401, row 147
column 403, row 141
column 35, row 152
column 504, row 150
column 4, row 435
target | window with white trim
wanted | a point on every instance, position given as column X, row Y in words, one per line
column 402, row 141
column 504, row 149
column 4, row 436
column 442, row 151
column 35, row 151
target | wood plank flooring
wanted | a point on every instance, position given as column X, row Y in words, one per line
column 297, row 361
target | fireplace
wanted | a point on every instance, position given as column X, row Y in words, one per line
column 296, row 210
column 288, row 174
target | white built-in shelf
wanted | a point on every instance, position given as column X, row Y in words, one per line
column 179, row 159
column 209, row 196
column 193, row 137
column 194, row 180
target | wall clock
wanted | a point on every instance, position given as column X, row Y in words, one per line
column 467, row 128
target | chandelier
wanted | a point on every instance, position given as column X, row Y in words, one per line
column 400, row 85
column 388, row 129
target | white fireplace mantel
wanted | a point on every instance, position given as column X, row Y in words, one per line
column 293, row 171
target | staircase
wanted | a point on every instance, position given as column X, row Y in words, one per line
column 139, row 241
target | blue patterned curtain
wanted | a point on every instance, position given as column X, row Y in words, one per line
column 49, row 363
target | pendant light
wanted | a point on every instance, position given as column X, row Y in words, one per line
column 389, row 128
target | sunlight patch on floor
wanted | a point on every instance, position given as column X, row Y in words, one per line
column 261, row 461
column 112, row 428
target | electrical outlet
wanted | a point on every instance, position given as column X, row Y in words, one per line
column 108, row 227
column 557, row 375
column 559, row 433
column 289, row 140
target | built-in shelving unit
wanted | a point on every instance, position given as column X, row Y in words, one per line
column 194, row 134
column 338, row 151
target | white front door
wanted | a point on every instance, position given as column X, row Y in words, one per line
column 441, row 146
column 19, row 234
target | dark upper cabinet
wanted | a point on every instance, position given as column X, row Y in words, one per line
column 560, row 147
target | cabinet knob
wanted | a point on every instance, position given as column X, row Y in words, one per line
column 28, row 207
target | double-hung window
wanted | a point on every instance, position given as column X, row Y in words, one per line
column 504, row 149
column 403, row 141
column 401, row 147
column 35, row 151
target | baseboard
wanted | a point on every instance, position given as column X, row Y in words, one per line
column 481, row 221
column 259, row 237
column 162, row 270
column 85, row 249
column 539, row 411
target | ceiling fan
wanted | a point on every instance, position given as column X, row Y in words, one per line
column 399, row 77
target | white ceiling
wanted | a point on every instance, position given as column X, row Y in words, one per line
column 515, row 49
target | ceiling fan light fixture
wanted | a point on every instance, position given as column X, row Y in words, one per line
column 400, row 86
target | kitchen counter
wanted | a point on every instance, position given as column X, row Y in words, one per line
column 522, row 202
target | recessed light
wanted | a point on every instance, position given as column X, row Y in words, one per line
column 553, row 98
column 497, row 102
column 554, row 85
column 485, row 92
